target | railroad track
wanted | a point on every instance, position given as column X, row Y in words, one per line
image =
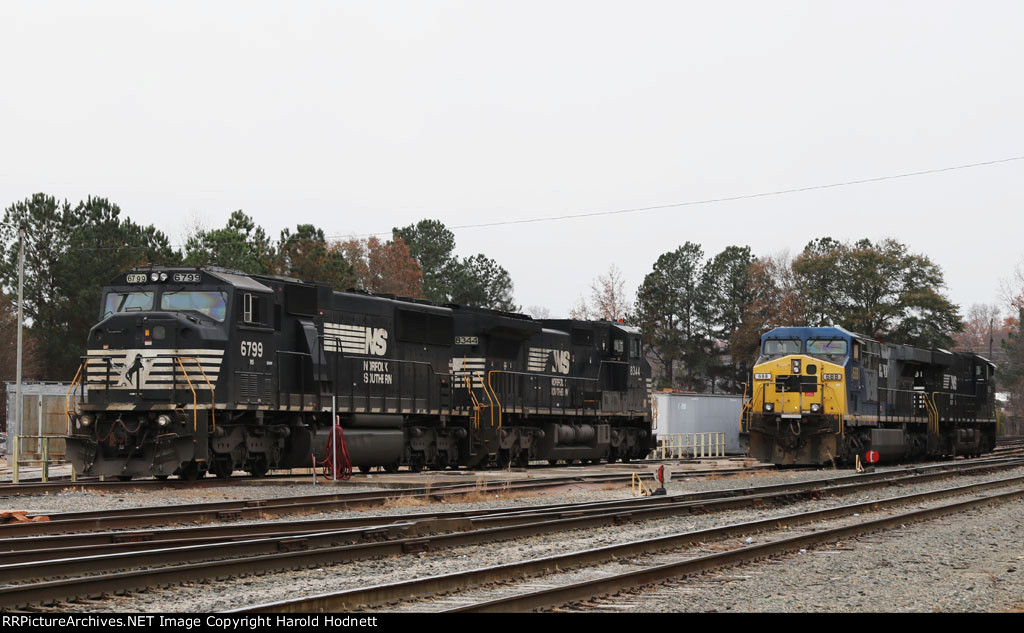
column 54, row 486
column 254, row 509
column 540, row 583
column 93, row 572
column 44, row 548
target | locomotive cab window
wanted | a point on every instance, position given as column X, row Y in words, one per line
column 127, row 302
column 831, row 350
column 781, row 347
column 213, row 304
column 634, row 348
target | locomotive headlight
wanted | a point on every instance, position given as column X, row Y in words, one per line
column 163, row 276
column 815, row 408
column 769, row 407
column 86, row 419
column 154, row 277
column 163, row 420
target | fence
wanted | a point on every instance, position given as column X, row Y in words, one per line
column 37, row 438
column 43, row 450
column 690, row 445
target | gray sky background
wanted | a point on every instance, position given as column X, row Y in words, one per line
column 361, row 116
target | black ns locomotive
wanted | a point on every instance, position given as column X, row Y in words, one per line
column 207, row 370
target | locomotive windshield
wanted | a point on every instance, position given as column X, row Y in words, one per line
column 127, row 302
column 827, row 349
column 213, row 304
column 774, row 347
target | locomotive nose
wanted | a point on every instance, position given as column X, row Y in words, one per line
column 125, row 331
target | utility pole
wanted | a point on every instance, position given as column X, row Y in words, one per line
column 990, row 340
column 21, row 286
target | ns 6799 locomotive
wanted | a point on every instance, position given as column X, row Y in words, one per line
column 823, row 394
column 192, row 371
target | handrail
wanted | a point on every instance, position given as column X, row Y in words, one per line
column 476, row 403
column 213, row 418
column 195, row 398
column 491, row 387
column 933, row 412
column 67, row 397
column 745, row 405
column 827, row 388
column 490, row 400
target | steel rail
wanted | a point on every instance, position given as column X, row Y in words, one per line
column 294, row 553
column 365, row 597
column 69, row 522
column 56, row 484
column 30, row 536
column 611, row 584
column 26, row 564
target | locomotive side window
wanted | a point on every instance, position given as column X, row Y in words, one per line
column 127, row 302
column 213, row 304
column 634, row 348
column 254, row 309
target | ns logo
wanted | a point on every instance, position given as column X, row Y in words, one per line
column 560, row 361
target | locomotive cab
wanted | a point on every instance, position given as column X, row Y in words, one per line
column 154, row 357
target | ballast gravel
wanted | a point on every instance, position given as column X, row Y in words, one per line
column 905, row 577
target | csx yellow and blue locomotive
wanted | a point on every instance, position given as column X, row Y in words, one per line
column 826, row 395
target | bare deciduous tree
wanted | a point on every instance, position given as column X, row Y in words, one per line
column 608, row 300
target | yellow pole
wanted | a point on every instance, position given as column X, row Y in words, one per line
column 14, row 451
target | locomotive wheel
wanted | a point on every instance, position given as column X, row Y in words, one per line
column 523, row 460
column 222, row 469
column 391, row 468
column 416, row 464
column 365, row 469
column 190, row 471
column 124, row 477
column 259, row 467
column 162, row 477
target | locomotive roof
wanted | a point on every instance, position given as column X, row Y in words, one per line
column 804, row 332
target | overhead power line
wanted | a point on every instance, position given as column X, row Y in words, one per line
column 693, row 203
column 674, row 205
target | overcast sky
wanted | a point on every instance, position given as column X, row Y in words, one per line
column 361, row 116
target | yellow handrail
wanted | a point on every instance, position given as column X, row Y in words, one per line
column 213, row 415
column 747, row 404
column 835, row 401
column 490, row 400
column 491, row 387
column 67, row 397
column 195, row 399
column 476, row 403
column 935, row 408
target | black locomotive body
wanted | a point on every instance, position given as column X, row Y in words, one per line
column 208, row 370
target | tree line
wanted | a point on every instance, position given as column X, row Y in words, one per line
column 702, row 317
column 72, row 251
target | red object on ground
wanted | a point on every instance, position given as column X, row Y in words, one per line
column 341, row 460
column 871, row 457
